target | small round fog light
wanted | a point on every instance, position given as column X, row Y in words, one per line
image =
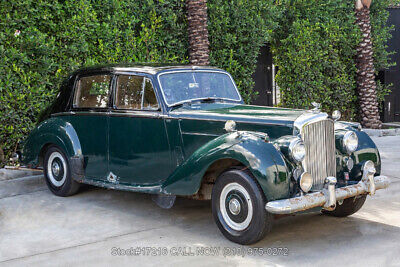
column 349, row 163
column 305, row 182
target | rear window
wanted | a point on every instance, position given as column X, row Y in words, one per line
column 92, row 91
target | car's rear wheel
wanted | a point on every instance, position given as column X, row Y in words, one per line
column 348, row 207
column 58, row 174
column 238, row 207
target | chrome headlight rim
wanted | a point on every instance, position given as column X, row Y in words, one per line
column 350, row 141
column 297, row 150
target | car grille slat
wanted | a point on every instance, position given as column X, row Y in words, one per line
column 320, row 161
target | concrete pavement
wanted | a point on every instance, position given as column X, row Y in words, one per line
column 38, row 228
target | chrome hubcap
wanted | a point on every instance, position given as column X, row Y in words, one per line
column 234, row 206
column 55, row 167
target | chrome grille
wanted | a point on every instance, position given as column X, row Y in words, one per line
column 320, row 161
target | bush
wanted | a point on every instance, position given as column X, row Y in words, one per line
column 313, row 42
column 41, row 41
column 314, row 48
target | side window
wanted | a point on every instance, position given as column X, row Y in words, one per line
column 129, row 92
column 149, row 99
column 135, row 92
column 92, row 91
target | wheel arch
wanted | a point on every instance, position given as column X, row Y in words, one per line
column 241, row 149
column 53, row 131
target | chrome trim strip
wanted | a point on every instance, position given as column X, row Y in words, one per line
column 113, row 113
column 201, row 134
column 237, row 121
column 195, row 70
column 321, row 198
column 106, row 184
column 87, row 113
column 135, row 114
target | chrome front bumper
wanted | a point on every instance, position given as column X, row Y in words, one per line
column 328, row 197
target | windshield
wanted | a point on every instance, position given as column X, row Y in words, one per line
column 179, row 87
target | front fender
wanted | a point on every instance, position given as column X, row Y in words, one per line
column 52, row 131
column 261, row 158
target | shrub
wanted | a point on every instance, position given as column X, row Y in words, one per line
column 41, row 41
column 314, row 48
column 313, row 42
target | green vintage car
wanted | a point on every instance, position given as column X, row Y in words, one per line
column 185, row 131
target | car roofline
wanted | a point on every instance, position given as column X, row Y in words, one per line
column 149, row 68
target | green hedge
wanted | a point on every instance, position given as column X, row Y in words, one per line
column 313, row 42
column 41, row 41
column 315, row 47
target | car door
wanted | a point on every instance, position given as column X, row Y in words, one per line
column 89, row 118
column 139, row 152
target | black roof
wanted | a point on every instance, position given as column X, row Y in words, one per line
column 151, row 68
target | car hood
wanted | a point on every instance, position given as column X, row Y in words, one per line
column 239, row 113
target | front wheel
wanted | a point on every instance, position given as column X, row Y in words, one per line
column 238, row 207
column 348, row 207
column 58, row 174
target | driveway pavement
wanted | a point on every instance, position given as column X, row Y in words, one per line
column 97, row 226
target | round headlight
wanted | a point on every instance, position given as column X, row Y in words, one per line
column 350, row 141
column 305, row 182
column 297, row 150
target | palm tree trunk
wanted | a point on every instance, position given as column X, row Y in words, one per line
column 197, row 32
column 366, row 85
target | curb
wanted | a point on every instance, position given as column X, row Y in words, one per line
column 22, row 185
column 9, row 173
column 382, row 132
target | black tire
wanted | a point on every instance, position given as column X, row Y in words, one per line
column 348, row 207
column 59, row 182
column 234, row 181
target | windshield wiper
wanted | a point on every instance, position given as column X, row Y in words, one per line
column 210, row 99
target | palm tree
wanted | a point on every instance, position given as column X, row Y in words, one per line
column 366, row 85
column 197, row 32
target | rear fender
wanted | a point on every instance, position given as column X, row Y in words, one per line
column 54, row 131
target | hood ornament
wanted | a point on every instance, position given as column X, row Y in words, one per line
column 316, row 108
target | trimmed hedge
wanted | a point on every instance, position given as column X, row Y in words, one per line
column 313, row 42
column 315, row 46
column 41, row 41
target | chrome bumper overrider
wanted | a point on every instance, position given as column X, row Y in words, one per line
column 328, row 197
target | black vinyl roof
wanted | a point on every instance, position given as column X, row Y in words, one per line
column 151, row 68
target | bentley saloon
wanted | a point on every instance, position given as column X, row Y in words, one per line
column 185, row 131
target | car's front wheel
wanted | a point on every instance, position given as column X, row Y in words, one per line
column 58, row 174
column 238, row 207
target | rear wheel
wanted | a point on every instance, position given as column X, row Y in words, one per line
column 348, row 207
column 238, row 207
column 58, row 174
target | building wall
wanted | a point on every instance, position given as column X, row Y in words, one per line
column 392, row 76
